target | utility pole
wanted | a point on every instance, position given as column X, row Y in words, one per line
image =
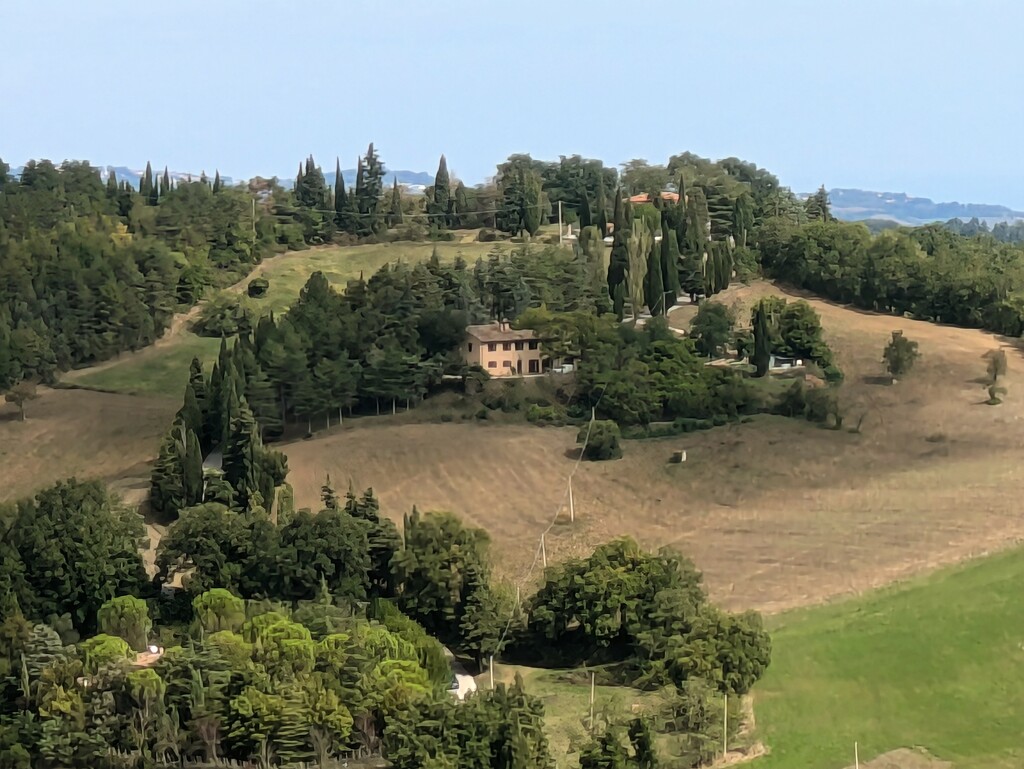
column 490, row 669
column 572, row 508
column 559, row 222
column 725, row 726
column 543, row 552
column 856, row 757
column 254, row 219
column 592, row 677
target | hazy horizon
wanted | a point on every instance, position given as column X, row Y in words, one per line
column 915, row 98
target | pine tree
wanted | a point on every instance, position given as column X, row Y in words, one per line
column 216, row 182
column 818, row 206
column 442, row 195
column 328, row 496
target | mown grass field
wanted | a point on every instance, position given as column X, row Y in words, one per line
column 162, row 369
column 936, row 663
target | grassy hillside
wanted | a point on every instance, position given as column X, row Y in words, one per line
column 162, row 369
column 935, row 663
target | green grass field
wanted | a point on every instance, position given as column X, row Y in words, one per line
column 156, row 371
column 163, row 370
column 935, row 663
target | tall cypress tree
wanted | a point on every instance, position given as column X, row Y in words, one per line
column 146, row 182
column 165, row 183
column 395, row 208
column 618, row 262
column 191, row 414
column 670, row 267
column 112, row 188
column 586, row 218
column 654, row 293
column 762, row 341
column 242, row 465
column 216, row 182
column 192, row 470
column 341, row 204
column 681, row 221
column 442, row 195
column 601, row 211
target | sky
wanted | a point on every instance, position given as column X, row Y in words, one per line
column 915, row 96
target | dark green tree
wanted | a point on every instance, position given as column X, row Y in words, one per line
column 442, row 195
column 762, row 341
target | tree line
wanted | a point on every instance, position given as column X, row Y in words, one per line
column 90, row 269
column 297, row 637
column 928, row 273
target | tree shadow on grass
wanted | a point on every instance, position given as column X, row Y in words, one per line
column 876, row 380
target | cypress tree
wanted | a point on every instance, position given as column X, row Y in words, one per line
column 602, row 208
column 216, row 182
column 165, row 183
column 298, row 180
column 192, row 470
column 442, row 194
column 670, row 267
column 681, row 214
column 112, row 188
column 241, row 465
column 146, row 182
column 191, row 414
column 395, row 209
column 461, row 207
column 618, row 262
column 654, row 294
column 762, row 341
column 340, row 199
column 586, row 218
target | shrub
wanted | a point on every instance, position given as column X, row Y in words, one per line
column 487, row 235
column 545, row 415
column 603, row 441
column 257, row 288
column 226, row 315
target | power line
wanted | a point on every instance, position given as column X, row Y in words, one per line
column 537, row 553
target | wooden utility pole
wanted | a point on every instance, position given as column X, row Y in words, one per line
column 490, row 669
column 543, row 552
column 856, row 756
column 572, row 508
column 592, row 677
column 559, row 222
column 725, row 726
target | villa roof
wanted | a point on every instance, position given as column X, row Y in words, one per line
column 494, row 332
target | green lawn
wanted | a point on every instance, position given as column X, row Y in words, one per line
column 567, row 704
column 164, row 370
column 287, row 273
column 155, row 371
column 936, row 663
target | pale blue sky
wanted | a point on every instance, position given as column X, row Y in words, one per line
column 917, row 96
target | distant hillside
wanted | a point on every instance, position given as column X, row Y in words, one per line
column 414, row 179
column 858, row 205
column 133, row 176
